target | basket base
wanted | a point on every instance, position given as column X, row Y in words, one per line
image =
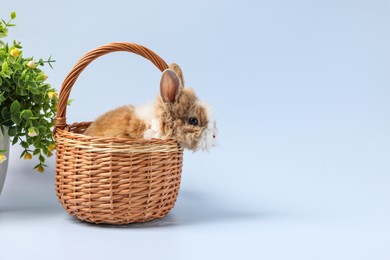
column 122, row 222
column 111, row 219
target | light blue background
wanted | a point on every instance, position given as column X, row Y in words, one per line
column 301, row 92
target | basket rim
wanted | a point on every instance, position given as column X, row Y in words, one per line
column 113, row 140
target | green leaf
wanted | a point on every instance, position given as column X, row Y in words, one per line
column 46, row 151
column 4, row 75
column 34, row 90
column 24, row 72
column 40, row 77
column 13, row 15
column 2, row 98
column 17, row 66
column 16, row 118
column 4, row 67
column 24, row 144
column 30, row 141
column 3, row 32
column 12, row 131
column 4, row 112
column 21, row 83
column 11, row 60
column 17, row 45
column 15, row 107
column 21, row 91
column 37, row 99
column 26, row 114
column 23, row 153
column 15, row 140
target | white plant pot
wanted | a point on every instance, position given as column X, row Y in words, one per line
column 4, row 145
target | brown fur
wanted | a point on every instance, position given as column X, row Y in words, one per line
column 120, row 122
column 175, row 68
column 174, row 119
column 174, row 107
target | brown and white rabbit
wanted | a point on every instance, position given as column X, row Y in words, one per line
column 177, row 113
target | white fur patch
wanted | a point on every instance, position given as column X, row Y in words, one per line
column 147, row 114
column 208, row 137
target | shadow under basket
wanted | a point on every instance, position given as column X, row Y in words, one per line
column 114, row 180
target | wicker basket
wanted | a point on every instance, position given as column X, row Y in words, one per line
column 114, row 180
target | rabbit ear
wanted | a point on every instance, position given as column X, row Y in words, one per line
column 170, row 86
column 176, row 68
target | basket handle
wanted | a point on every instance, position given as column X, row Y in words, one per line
column 60, row 121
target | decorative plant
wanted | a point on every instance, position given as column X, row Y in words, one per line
column 27, row 103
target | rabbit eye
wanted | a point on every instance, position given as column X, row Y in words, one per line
column 193, row 121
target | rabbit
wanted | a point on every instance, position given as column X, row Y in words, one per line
column 177, row 113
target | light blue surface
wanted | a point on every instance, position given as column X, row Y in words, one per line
column 301, row 92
